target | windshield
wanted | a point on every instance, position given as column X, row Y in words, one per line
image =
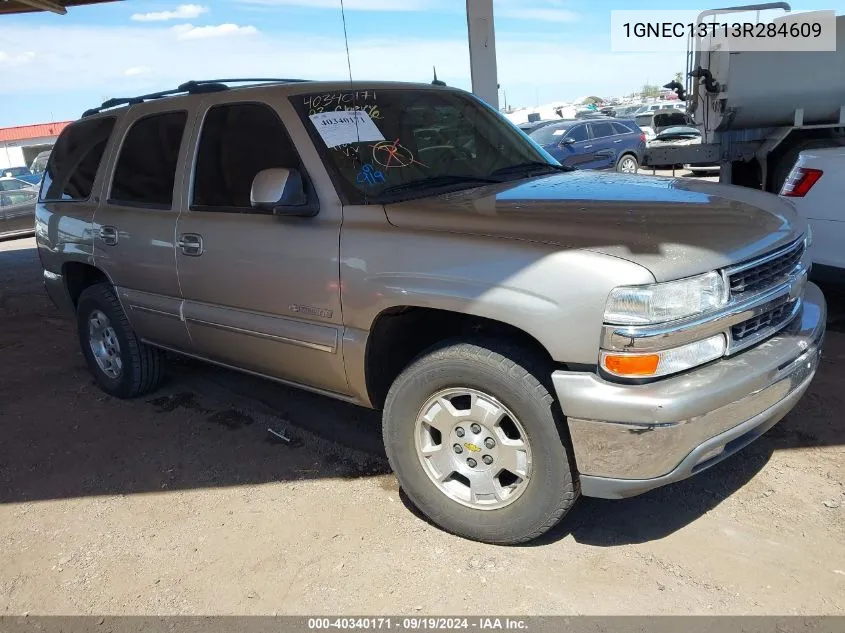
column 377, row 143
column 549, row 134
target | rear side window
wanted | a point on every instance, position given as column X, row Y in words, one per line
column 238, row 141
column 10, row 198
column 146, row 168
column 75, row 160
column 601, row 130
column 621, row 128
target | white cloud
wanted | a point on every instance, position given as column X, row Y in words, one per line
column 16, row 59
column 524, row 60
column 134, row 71
column 539, row 13
column 352, row 5
column 182, row 12
column 191, row 32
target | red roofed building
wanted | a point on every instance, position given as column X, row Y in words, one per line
column 20, row 144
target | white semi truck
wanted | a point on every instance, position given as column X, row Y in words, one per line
column 757, row 110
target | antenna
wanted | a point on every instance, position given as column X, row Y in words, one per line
column 436, row 81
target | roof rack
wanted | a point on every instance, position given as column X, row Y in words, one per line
column 201, row 86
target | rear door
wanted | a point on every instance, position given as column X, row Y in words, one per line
column 134, row 227
column 603, row 153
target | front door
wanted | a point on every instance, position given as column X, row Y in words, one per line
column 134, row 227
column 576, row 147
column 261, row 291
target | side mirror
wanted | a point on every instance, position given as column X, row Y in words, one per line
column 568, row 141
column 282, row 192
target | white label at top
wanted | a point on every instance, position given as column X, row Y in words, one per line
column 343, row 127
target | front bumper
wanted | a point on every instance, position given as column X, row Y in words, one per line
column 629, row 438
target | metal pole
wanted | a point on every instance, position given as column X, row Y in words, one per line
column 482, row 50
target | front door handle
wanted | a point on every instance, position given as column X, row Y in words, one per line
column 108, row 235
column 191, row 244
column 587, row 146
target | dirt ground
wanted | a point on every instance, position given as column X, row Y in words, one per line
column 179, row 503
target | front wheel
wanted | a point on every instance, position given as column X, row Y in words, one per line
column 627, row 164
column 472, row 435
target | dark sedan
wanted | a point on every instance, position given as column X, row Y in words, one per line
column 17, row 212
column 594, row 144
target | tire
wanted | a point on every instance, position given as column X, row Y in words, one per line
column 141, row 367
column 627, row 164
column 503, row 373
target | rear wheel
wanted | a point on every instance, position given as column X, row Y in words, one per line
column 122, row 365
column 627, row 164
column 473, row 437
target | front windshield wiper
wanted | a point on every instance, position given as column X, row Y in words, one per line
column 439, row 181
column 527, row 168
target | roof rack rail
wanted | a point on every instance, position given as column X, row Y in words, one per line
column 190, row 87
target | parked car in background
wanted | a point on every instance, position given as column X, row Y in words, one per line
column 531, row 126
column 816, row 186
column 39, row 163
column 625, row 112
column 679, row 135
column 14, row 184
column 597, row 144
column 590, row 114
column 17, row 212
column 653, row 123
column 21, row 173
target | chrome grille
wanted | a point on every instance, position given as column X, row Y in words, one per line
column 768, row 272
column 772, row 319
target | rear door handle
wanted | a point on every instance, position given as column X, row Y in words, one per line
column 108, row 235
column 619, row 140
column 191, row 244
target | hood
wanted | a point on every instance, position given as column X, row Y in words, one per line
column 673, row 227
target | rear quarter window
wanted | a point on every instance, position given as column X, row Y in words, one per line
column 75, row 160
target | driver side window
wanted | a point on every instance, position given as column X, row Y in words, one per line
column 578, row 133
column 237, row 141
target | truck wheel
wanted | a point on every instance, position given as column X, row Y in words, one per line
column 123, row 366
column 627, row 164
column 472, row 435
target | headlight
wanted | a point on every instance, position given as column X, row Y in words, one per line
column 657, row 303
column 808, row 238
column 670, row 361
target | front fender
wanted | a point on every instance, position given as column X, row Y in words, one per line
column 557, row 296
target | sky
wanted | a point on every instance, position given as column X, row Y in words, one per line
column 54, row 67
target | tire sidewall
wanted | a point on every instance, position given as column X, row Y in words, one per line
column 551, row 475
column 625, row 157
column 96, row 299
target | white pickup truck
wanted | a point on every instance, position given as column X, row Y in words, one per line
column 817, row 188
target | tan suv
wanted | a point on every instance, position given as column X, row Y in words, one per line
column 530, row 332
